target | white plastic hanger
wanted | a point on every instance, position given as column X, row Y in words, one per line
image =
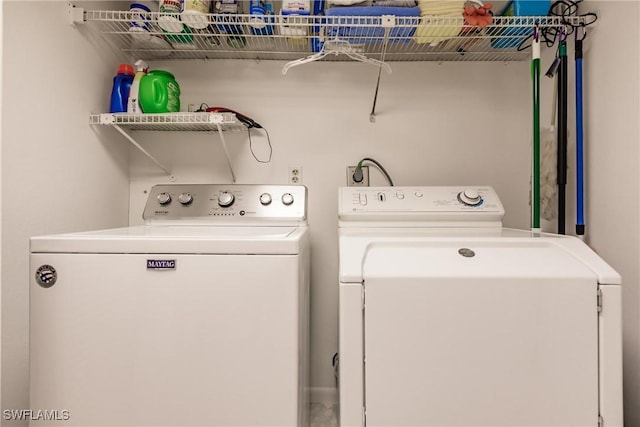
column 335, row 47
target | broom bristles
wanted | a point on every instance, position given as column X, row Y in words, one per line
column 548, row 174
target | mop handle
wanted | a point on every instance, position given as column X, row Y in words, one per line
column 579, row 142
column 535, row 193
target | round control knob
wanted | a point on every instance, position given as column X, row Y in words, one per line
column 287, row 199
column 185, row 198
column 226, row 199
column 164, row 198
column 265, row 199
column 470, row 197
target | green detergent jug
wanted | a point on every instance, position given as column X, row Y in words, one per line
column 159, row 92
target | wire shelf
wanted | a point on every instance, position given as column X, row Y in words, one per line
column 426, row 38
column 201, row 121
column 171, row 121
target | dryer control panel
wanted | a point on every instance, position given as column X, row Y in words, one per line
column 226, row 202
column 420, row 204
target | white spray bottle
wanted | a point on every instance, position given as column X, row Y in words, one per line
column 133, row 105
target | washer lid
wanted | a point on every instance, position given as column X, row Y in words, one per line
column 177, row 239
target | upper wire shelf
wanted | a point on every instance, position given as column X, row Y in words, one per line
column 426, row 38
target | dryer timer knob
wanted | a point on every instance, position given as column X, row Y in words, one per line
column 470, row 197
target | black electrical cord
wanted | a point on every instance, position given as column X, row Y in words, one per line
column 249, row 123
column 357, row 175
column 251, row 144
column 335, row 362
column 564, row 9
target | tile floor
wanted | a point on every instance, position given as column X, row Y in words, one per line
column 324, row 415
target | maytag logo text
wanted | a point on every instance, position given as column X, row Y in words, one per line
column 161, row 264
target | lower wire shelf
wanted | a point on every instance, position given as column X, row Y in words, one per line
column 171, row 122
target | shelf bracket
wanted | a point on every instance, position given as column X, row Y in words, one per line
column 76, row 14
column 226, row 152
column 139, row 147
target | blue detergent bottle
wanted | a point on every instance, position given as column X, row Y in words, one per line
column 121, row 87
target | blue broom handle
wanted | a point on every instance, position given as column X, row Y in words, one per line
column 579, row 143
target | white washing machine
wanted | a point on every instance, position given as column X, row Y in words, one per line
column 198, row 318
column 448, row 319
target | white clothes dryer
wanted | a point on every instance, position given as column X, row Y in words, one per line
column 449, row 319
column 200, row 317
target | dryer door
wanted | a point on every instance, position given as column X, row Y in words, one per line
column 475, row 334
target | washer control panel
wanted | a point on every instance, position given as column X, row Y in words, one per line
column 226, row 202
column 418, row 203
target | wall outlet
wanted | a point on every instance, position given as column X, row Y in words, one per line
column 295, row 175
column 365, row 177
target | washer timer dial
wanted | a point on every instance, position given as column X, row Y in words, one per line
column 226, row 199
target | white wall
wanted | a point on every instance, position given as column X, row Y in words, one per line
column 57, row 173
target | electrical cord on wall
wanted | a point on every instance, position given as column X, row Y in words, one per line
column 251, row 144
column 358, row 177
column 245, row 120
column 563, row 9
